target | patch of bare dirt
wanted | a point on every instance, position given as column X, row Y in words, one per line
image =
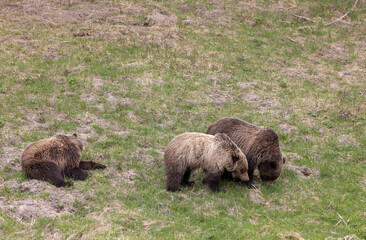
column 301, row 171
column 89, row 98
column 52, row 54
column 191, row 21
column 89, row 123
column 161, row 18
column 219, row 98
column 113, row 100
column 143, row 155
column 264, row 105
column 11, row 139
column 269, row 103
column 135, row 11
column 251, row 97
column 256, row 197
column 285, row 128
column 129, row 177
column 60, row 201
column 51, row 13
column 192, row 7
column 132, row 116
column 148, row 80
column 291, row 236
column 246, row 85
column 346, row 140
column 10, row 156
column 97, row 82
column 290, row 157
column 334, row 50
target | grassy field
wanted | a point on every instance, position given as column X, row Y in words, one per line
column 128, row 76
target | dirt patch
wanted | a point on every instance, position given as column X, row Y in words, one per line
column 129, row 177
column 290, row 157
column 60, row 201
column 246, row 85
column 251, row 97
column 302, row 171
column 219, row 98
column 290, row 236
column 263, row 104
column 161, row 18
column 52, row 54
column 97, row 82
column 135, row 11
column 113, row 100
column 256, row 197
column 143, row 155
column 89, row 98
column 192, row 7
column 10, row 157
column 132, row 116
column 285, row 128
column 346, row 140
column 52, row 13
column 90, row 122
column 269, row 103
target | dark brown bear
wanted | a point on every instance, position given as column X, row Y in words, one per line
column 214, row 154
column 259, row 144
column 52, row 158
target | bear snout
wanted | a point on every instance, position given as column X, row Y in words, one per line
column 244, row 178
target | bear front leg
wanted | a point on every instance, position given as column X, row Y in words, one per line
column 251, row 176
column 185, row 180
column 87, row 165
column 212, row 180
column 77, row 173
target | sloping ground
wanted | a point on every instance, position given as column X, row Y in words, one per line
column 129, row 76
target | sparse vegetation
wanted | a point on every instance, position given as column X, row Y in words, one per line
column 129, row 76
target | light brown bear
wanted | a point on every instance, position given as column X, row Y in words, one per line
column 50, row 159
column 214, row 154
column 259, row 144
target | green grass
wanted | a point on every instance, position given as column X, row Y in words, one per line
column 128, row 89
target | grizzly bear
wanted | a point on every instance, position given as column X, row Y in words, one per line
column 214, row 154
column 259, row 144
column 50, row 159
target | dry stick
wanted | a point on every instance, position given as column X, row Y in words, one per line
column 344, row 15
column 302, row 17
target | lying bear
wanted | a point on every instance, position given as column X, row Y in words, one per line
column 52, row 158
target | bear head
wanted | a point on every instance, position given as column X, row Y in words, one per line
column 235, row 160
column 72, row 140
column 270, row 168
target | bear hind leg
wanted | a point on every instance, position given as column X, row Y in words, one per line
column 88, row 165
column 77, row 173
column 48, row 171
column 173, row 180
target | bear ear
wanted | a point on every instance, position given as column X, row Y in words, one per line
column 230, row 166
column 235, row 158
column 75, row 135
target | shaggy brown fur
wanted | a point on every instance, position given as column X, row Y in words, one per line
column 52, row 158
column 214, row 154
column 259, row 144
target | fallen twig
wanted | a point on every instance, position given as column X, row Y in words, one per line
column 302, row 17
column 344, row 15
column 342, row 220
